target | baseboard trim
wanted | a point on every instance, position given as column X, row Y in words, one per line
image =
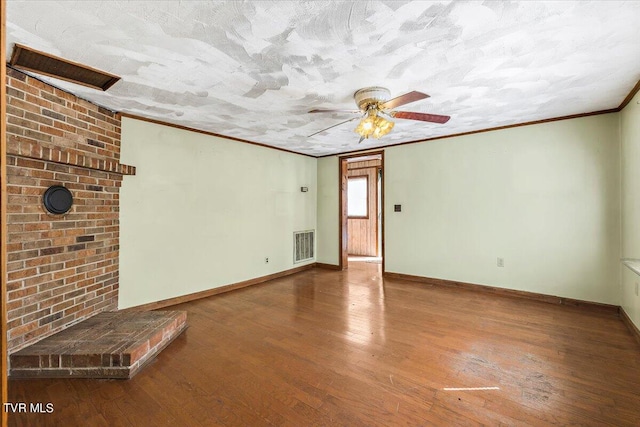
column 327, row 266
column 511, row 293
column 215, row 291
column 630, row 325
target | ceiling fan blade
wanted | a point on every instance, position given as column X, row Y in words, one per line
column 404, row 99
column 322, row 110
column 409, row 115
column 338, row 124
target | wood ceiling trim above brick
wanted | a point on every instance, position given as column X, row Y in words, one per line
column 39, row 62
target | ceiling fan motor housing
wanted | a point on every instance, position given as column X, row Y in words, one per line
column 369, row 96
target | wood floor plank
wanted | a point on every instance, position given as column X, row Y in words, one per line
column 332, row 348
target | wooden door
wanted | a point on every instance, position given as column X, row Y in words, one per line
column 363, row 221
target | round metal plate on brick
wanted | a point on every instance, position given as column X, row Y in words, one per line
column 57, row 199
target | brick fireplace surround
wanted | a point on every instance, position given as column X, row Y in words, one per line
column 61, row 268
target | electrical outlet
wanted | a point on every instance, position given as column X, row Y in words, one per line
column 500, row 262
column 636, row 288
column 266, row 260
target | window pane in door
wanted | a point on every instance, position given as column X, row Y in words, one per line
column 357, row 197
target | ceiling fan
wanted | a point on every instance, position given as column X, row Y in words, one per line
column 374, row 103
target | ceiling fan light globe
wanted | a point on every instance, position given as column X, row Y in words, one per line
column 366, row 126
column 374, row 125
column 383, row 127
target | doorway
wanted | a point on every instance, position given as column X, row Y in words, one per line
column 361, row 208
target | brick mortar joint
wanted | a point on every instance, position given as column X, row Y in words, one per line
column 120, row 168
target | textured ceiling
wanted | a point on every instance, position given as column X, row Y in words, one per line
column 253, row 69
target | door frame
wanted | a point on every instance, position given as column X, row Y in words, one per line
column 343, row 239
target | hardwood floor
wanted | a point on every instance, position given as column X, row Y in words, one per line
column 345, row 348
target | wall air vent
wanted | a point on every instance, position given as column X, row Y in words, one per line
column 28, row 59
column 303, row 245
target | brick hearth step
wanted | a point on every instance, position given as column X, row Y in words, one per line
column 108, row 345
